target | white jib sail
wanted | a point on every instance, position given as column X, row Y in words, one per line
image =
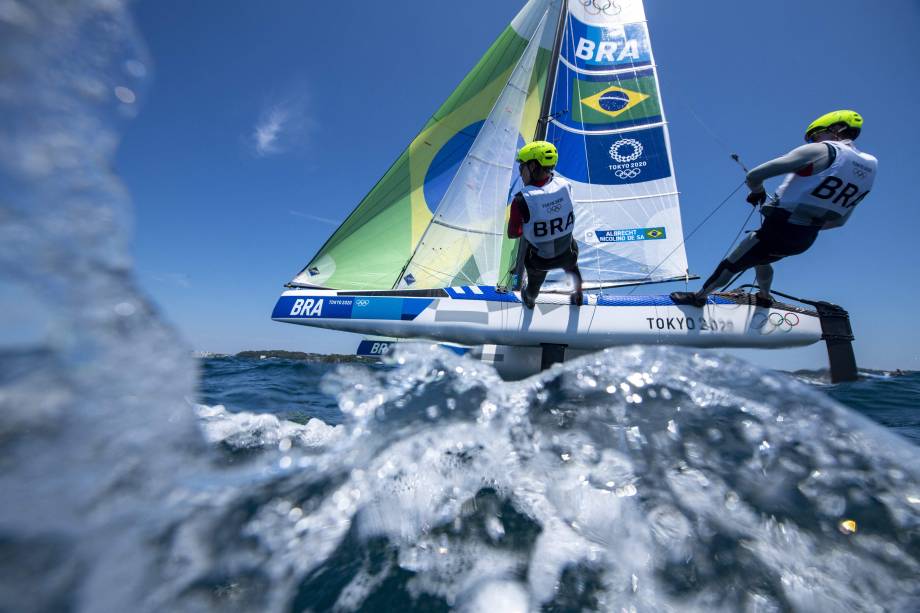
column 610, row 129
column 463, row 242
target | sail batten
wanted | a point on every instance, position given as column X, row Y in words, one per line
column 462, row 229
column 626, row 198
column 566, row 128
column 604, row 73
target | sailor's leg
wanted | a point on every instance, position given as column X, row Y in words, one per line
column 530, row 292
column 737, row 261
column 764, row 280
column 577, row 297
column 721, row 276
column 742, row 258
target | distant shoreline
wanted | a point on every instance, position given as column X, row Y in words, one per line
column 254, row 354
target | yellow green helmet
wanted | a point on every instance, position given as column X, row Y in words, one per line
column 851, row 119
column 540, row 151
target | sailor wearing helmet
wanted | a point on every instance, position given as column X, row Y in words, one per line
column 543, row 215
column 825, row 180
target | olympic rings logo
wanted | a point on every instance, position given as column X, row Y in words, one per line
column 362, row 303
column 637, row 150
column 629, row 173
column 596, row 7
column 784, row 322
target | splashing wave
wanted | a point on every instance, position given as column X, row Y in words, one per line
column 654, row 478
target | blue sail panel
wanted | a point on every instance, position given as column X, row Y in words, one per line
column 622, row 158
column 605, row 47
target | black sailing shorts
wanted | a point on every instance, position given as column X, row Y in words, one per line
column 775, row 240
column 567, row 261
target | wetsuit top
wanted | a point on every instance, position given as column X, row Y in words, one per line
column 544, row 216
column 823, row 185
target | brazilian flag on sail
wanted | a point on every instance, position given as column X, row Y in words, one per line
column 620, row 100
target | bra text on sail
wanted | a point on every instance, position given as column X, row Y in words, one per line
column 607, row 50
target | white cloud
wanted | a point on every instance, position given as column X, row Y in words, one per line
column 267, row 131
column 280, row 127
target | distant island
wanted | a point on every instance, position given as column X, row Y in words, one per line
column 300, row 355
column 823, row 374
column 262, row 354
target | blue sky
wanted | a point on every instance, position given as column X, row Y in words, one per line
column 264, row 123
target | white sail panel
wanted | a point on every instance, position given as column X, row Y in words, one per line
column 463, row 243
column 528, row 19
column 603, row 13
column 610, row 129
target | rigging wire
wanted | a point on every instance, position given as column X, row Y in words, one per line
column 692, row 232
column 737, row 159
column 734, row 156
column 705, row 126
column 731, row 245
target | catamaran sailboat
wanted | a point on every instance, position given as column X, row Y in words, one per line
column 425, row 254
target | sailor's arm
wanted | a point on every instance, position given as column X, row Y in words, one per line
column 518, row 217
column 805, row 160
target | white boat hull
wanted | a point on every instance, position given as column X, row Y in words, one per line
column 483, row 316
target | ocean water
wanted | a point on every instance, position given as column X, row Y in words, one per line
column 134, row 477
column 647, row 479
column 643, row 478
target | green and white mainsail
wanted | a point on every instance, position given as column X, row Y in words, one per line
column 437, row 218
column 371, row 249
column 463, row 244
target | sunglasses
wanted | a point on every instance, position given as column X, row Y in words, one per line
column 810, row 137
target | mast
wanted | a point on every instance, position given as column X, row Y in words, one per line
column 542, row 123
column 546, row 106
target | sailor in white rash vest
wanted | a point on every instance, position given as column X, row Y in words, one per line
column 542, row 213
column 825, row 180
